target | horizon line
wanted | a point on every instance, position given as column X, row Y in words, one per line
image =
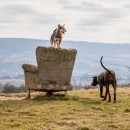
column 65, row 40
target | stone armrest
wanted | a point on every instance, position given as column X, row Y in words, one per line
column 29, row 68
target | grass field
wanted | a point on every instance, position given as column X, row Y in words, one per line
column 79, row 110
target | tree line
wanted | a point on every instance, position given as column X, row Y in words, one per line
column 9, row 88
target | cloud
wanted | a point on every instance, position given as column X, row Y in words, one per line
column 17, row 13
column 16, row 9
column 101, row 15
column 85, row 6
column 25, row 18
column 41, row 18
column 64, row 2
column 12, row 13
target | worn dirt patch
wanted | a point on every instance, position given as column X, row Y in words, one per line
column 4, row 98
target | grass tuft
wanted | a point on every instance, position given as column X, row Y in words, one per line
column 84, row 128
column 127, row 110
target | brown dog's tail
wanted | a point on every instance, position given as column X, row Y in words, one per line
column 104, row 66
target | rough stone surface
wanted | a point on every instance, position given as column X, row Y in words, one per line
column 31, row 77
column 54, row 69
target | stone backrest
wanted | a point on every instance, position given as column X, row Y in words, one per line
column 55, row 66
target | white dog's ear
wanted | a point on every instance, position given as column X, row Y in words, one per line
column 59, row 25
column 63, row 25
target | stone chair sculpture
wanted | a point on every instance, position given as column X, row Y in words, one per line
column 53, row 72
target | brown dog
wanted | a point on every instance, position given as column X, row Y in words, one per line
column 106, row 79
column 56, row 36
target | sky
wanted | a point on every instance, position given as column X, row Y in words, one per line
column 85, row 20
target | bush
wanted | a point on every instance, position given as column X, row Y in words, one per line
column 8, row 88
column 1, row 86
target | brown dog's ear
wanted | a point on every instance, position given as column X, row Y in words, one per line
column 95, row 78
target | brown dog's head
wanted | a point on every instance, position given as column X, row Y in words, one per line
column 61, row 29
column 94, row 81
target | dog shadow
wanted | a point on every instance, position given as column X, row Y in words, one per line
column 90, row 101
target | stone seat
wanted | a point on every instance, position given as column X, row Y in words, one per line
column 53, row 71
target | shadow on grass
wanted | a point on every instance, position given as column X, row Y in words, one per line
column 87, row 101
column 84, row 101
column 56, row 98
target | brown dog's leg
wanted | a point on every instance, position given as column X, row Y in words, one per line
column 109, row 94
column 106, row 92
column 101, row 91
column 114, row 96
column 114, row 87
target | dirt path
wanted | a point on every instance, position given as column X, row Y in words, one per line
column 8, row 97
column 4, row 98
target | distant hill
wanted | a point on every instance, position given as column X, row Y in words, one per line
column 16, row 51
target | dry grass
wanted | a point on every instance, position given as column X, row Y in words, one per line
column 80, row 110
